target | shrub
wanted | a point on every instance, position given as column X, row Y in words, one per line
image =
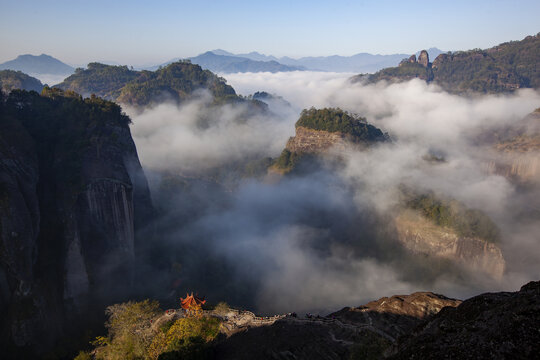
column 186, row 337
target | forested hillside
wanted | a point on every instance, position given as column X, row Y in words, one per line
column 503, row 68
column 177, row 81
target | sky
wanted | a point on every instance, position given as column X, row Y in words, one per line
column 151, row 32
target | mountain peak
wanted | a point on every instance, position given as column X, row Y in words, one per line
column 37, row 64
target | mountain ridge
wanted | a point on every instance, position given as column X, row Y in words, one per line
column 503, row 68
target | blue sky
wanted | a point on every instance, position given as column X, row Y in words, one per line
column 148, row 32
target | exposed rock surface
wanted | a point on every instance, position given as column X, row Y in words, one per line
column 489, row 326
column 315, row 141
column 420, row 235
column 423, row 58
column 72, row 196
column 396, row 315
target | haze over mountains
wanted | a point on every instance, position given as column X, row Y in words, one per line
column 359, row 63
column 226, row 62
column 44, row 67
column 275, row 191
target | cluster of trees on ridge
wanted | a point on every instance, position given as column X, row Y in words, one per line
column 337, row 120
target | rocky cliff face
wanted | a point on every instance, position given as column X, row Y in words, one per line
column 423, row 58
column 315, row 141
column 72, row 198
column 420, row 235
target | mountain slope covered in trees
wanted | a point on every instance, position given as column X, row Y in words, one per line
column 11, row 80
column 503, row 68
column 178, row 81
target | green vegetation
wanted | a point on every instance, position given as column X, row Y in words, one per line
column 177, row 81
column 287, row 161
column 187, row 338
column 452, row 214
column 503, row 68
column 11, row 80
column 337, row 120
column 132, row 335
column 105, row 81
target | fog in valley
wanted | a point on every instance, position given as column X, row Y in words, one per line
column 323, row 238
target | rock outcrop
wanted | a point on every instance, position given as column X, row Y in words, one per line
column 319, row 130
column 315, row 141
column 423, row 58
column 489, row 326
column 72, row 197
column 419, row 235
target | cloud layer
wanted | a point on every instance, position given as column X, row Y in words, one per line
column 320, row 241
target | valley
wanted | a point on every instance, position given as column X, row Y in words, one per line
column 312, row 207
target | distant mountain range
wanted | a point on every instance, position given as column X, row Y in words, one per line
column 226, row 62
column 362, row 62
column 235, row 64
column 42, row 64
column 221, row 61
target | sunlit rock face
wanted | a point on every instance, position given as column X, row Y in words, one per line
column 315, row 141
column 421, row 236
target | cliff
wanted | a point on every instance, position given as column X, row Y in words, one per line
column 315, row 141
column 422, row 236
column 73, row 197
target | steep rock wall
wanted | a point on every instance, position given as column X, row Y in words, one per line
column 72, row 197
column 419, row 235
column 315, row 141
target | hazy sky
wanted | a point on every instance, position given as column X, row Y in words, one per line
column 142, row 32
